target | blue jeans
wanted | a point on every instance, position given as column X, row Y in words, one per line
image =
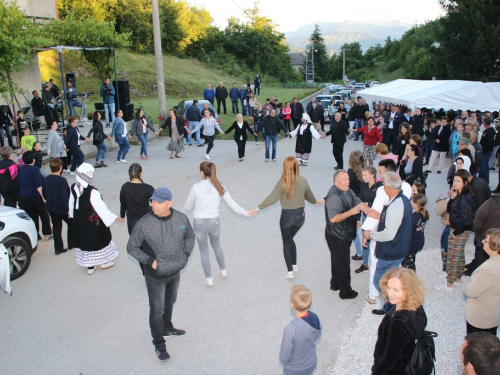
column 256, row 129
column 257, row 89
column 191, row 126
column 360, row 250
column 268, row 142
column 162, row 295
column 359, row 123
column 291, row 221
column 109, row 110
column 234, row 104
column 102, row 151
column 124, row 147
column 72, row 103
column 243, row 107
column 382, row 267
column 9, row 135
column 78, row 158
column 144, row 143
column 484, row 173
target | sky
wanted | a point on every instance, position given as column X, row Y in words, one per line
column 292, row 14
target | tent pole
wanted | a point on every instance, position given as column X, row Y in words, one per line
column 116, row 80
column 63, row 86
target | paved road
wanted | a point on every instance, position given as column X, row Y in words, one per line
column 61, row 321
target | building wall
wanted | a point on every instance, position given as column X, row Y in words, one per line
column 29, row 78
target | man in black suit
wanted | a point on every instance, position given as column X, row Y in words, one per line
column 221, row 94
column 339, row 131
column 391, row 130
column 297, row 111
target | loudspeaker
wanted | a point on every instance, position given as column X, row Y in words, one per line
column 123, row 95
column 128, row 112
column 72, row 78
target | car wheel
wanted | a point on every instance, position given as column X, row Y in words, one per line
column 19, row 255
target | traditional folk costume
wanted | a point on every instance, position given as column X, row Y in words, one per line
column 304, row 133
column 91, row 222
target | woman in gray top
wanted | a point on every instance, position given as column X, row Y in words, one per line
column 141, row 127
column 55, row 145
column 209, row 124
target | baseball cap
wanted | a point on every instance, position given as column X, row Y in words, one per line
column 161, row 195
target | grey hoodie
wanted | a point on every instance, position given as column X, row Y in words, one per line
column 298, row 347
column 168, row 240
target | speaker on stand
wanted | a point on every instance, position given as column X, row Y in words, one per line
column 72, row 78
column 122, row 98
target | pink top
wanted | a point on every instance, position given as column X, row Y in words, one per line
column 391, row 156
column 287, row 112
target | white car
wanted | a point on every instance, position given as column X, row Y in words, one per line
column 18, row 235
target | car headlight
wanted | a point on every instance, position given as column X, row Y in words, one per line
column 23, row 215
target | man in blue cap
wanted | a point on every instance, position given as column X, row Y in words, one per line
column 162, row 241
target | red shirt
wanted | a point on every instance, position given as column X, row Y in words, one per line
column 372, row 137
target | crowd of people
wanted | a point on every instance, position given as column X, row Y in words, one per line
column 384, row 212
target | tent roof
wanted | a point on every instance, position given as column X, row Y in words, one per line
column 73, row 48
column 494, row 84
column 464, row 95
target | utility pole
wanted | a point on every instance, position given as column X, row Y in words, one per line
column 343, row 63
column 160, row 79
column 312, row 57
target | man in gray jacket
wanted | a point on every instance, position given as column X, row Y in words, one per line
column 162, row 241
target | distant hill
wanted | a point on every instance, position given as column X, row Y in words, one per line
column 337, row 33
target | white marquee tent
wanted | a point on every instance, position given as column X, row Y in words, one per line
column 464, row 95
column 494, row 84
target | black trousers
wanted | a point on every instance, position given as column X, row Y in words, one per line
column 241, row 147
column 35, row 208
column 57, row 231
column 391, row 138
column 219, row 101
column 338, row 154
column 340, row 264
column 472, row 329
column 291, row 221
column 295, row 122
column 10, row 200
column 162, row 296
column 209, row 139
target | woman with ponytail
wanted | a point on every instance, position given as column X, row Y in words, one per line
column 292, row 191
column 419, row 218
column 134, row 197
column 205, row 197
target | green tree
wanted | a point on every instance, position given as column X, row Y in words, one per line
column 19, row 38
column 469, row 39
column 321, row 66
column 88, row 32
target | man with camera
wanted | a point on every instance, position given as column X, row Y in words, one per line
column 107, row 92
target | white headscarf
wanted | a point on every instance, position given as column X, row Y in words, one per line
column 84, row 174
column 467, row 162
column 306, row 117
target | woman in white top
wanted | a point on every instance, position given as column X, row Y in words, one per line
column 304, row 133
column 205, row 196
column 209, row 124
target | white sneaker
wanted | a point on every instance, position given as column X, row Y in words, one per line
column 274, row 160
column 207, row 157
column 124, row 161
column 289, row 275
column 118, row 162
column 72, row 173
column 295, row 268
column 90, row 271
column 209, row 281
column 107, row 265
column 256, row 143
column 223, row 272
column 66, row 170
column 267, row 160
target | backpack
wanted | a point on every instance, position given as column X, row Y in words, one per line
column 423, row 357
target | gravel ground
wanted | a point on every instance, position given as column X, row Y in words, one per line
column 445, row 314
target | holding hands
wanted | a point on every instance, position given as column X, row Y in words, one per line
column 252, row 213
column 319, row 202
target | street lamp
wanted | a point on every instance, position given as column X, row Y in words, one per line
column 343, row 63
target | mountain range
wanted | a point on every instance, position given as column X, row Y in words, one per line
column 336, row 34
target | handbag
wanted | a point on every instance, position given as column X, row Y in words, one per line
column 441, row 203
